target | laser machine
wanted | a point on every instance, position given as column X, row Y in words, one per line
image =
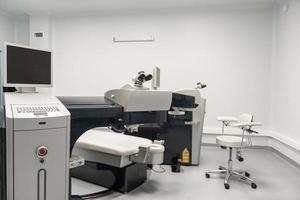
column 37, row 140
column 117, row 161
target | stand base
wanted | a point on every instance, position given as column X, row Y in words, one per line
column 243, row 175
column 26, row 90
column 229, row 172
column 123, row 179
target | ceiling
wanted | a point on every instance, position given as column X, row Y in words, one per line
column 80, row 6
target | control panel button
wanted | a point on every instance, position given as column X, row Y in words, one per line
column 42, row 151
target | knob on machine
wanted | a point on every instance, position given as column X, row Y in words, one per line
column 41, row 153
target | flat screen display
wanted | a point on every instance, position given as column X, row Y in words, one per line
column 27, row 66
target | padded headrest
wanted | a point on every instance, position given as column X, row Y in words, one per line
column 157, row 148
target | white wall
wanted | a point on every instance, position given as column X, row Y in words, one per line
column 248, row 58
column 6, row 34
column 40, row 24
column 228, row 50
column 286, row 74
column 6, row 28
column 21, row 29
column 14, row 29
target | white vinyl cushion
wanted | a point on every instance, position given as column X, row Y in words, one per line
column 227, row 119
column 230, row 141
column 107, row 141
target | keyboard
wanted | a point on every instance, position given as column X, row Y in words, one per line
column 37, row 109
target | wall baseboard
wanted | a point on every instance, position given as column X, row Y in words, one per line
column 278, row 143
column 292, row 162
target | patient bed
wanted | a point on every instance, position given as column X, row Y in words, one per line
column 116, row 160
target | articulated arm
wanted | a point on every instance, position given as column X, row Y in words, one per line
column 247, row 126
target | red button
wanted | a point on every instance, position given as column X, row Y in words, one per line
column 42, row 151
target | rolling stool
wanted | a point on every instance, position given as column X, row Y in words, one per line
column 245, row 122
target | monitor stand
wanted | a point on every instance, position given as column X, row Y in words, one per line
column 26, row 90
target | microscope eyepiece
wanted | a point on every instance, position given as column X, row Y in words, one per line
column 141, row 77
column 148, row 77
column 200, row 85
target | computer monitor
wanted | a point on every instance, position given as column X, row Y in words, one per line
column 27, row 67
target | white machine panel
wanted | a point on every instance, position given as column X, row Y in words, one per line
column 197, row 123
column 135, row 99
column 35, row 180
column 37, row 138
column 31, row 117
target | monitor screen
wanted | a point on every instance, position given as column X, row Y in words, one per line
column 27, row 66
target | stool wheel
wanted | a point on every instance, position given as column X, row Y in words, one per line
column 240, row 159
column 247, row 174
column 207, row 175
column 226, row 185
column 253, row 185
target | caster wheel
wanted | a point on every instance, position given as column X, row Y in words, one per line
column 247, row 174
column 220, row 168
column 226, row 185
column 253, row 185
column 207, row 175
column 241, row 159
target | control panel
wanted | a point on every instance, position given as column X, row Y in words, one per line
column 35, row 110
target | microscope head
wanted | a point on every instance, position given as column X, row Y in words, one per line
column 141, row 78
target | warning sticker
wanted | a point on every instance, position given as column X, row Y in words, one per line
column 185, row 156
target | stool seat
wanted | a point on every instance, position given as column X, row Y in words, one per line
column 230, row 141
